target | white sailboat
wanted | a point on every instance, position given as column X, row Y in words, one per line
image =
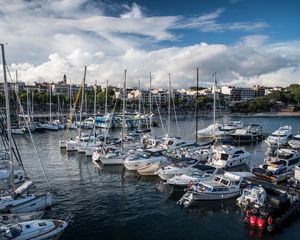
column 71, row 145
column 18, row 200
column 50, row 125
column 35, row 229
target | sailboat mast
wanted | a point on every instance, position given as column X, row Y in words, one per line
column 106, row 94
column 123, row 112
column 150, row 99
column 32, row 96
column 169, row 105
column 94, row 129
column 27, row 99
column 214, row 106
column 70, row 96
column 139, row 127
column 196, row 106
column 8, row 123
column 82, row 99
column 50, row 93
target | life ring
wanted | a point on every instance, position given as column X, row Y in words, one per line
column 202, row 188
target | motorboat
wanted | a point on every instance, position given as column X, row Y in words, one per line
column 35, row 229
column 181, row 181
column 144, row 158
column 221, row 186
column 280, row 137
column 176, row 168
column 252, row 195
column 251, row 134
column 279, row 167
column 295, row 142
column 226, row 156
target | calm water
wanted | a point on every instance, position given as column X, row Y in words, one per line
column 115, row 204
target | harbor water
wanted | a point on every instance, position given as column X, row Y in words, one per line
column 113, row 203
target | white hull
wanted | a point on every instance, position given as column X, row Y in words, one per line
column 50, row 127
column 71, row 146
column 37, row 229
column 149, row 170
column 30, row 203
column 198, row 196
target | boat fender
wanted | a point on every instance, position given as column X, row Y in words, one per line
column 252, row 220
column 270, row 220
column 261, row 223
column 191, row 183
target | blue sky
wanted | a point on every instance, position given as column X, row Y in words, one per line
column 245, row 41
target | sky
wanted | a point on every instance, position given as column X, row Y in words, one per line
column 244, row 41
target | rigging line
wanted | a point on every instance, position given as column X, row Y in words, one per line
column 160, row 118
column 71, row 114
column 110, row 122
column 173, row 101
column 29, row 131
column 14, row 147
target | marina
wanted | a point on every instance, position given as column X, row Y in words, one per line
column 113, row 202
column 147, row 120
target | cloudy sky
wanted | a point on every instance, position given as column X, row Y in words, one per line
column 244, row 41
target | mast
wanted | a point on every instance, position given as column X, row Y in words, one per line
column 139, row 127
column 106, row 94
column 70, row 96
column 214, row 106
column 123, row 112
column 94, row 129
column 150, row 99
column 27, row 99
column 197, row 95
column 8, row 123
column 50, row 93
column 32, row 95
column 169, row 105
column 82, row 99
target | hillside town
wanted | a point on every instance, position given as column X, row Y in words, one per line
column 229, row 98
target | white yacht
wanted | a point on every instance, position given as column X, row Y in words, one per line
column 295, row 142
column 209, row 131
column 143, row 158
column 280, row 137
column 249, row 134
column 227, row 156
column 176, row 168
column 252, row 195
column 181, row 181
column 221, row 186
column 279, row 167
column 35, row 229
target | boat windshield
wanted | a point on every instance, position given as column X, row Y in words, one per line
column 285, row 156
column 278, row 135
column 224, row 156
column 13, row 232
column 145, row 155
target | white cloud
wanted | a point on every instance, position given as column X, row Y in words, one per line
column 50, row 38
